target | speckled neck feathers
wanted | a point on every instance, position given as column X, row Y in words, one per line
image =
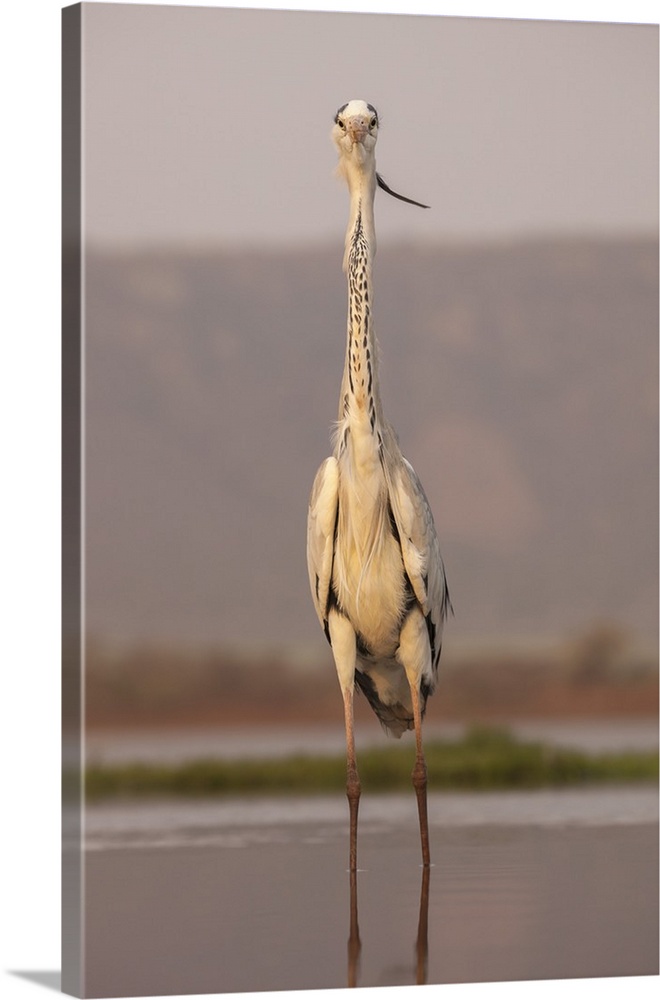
column 360, row 398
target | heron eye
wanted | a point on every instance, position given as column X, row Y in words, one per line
column 374, row 122
column 340, row 123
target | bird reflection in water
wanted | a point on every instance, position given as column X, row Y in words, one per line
column 421, row 943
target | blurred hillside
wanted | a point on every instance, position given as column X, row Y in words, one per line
column 601, row 673
column 522, row 380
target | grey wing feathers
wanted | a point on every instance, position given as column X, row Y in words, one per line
column 321, row 521
column 420, row 550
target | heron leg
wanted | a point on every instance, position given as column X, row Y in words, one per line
column 414, row 654
column 419, row 778
column 342, row 638
column 354, row 943
column 353, row 788
column 422, row 943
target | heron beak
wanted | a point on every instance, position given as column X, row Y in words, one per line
column 357, row 130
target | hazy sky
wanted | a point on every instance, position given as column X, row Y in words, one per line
column 212, row 125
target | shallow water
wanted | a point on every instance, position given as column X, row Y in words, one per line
column 242, row 821
column 253, row 894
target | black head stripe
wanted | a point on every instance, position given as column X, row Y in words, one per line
column 342, row 108
column 381, row 184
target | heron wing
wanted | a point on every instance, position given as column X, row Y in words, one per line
column 420, row 550
column 321, row 521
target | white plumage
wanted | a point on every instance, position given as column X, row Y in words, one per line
column 376, row 575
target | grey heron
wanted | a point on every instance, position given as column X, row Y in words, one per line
column 377, row 578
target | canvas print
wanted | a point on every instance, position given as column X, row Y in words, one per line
column 359, row 500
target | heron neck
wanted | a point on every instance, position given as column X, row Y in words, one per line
column 360, row 400
column 362, row 191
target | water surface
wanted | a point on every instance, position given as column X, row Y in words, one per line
column 253, row 894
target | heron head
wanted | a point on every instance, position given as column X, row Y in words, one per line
column 355, row 129
column 355, row 132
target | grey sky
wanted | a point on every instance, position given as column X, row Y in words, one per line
column 209, row 125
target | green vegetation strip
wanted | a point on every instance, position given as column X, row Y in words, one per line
column 484, row 759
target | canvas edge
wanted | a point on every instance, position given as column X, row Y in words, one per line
column 72, row 510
